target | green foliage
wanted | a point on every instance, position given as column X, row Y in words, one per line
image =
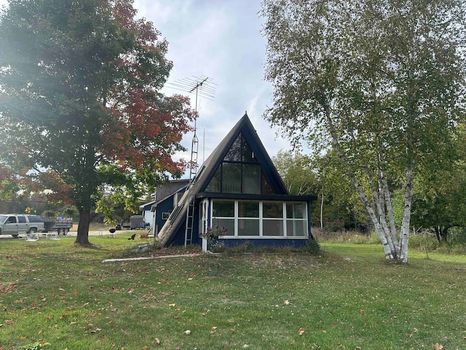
column 298, row 172
column 313, row 247
column 321, row 175
column 440, row 192
column 80, row 91
column 116, row 207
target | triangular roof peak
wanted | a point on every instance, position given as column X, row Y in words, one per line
column 208, row 168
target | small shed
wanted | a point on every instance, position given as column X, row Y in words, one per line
column 239, row 192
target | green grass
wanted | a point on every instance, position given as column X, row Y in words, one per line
column 346, row 299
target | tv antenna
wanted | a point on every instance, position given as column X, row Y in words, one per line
column 201, row 87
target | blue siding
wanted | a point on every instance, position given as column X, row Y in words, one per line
column 296, row 243
column 163, row 206
column 178, row 238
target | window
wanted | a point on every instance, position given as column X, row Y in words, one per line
column 271, row 219
column 165, row 215
column 223, row 217
column 234, row 154
column 11, row 220
column 239, row 172
column 215, row 185
column 231, row 177
column 35, row 218
column 248, row 219
column 21, row 219
column 251, row 178
column 296, row 222
column 224, row 209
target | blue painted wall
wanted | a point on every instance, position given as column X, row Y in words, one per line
column 296, row 243
column 178, row 238
column 164, row 206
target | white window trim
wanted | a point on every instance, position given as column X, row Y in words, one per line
column 284, row 219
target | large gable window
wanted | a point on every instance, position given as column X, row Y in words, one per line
column 239, row 172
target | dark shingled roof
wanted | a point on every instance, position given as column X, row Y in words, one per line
column 198, row 184
column 166, row 190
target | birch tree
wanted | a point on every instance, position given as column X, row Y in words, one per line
column 379, row 82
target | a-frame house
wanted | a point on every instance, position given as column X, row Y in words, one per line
column 239, row 190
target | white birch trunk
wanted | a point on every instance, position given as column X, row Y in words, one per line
column 404, row 234
column 378, row 227
column 391, row 215
column 322, row 211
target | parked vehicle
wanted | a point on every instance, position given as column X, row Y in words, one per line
column 61, row 225
column 136, row 222
column 14, row 224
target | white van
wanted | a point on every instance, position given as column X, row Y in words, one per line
column 14, row 224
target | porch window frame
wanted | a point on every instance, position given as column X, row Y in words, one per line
column 284, row 220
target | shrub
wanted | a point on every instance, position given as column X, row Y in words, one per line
column 312, row 247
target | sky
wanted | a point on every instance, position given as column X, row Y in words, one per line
column 221, row 40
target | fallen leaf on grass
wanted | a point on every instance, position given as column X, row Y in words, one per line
column 286, row 302
column 7, row 288
column 172, row 305
column 213, row 330
column 187, row 332
column 157, row 341
column 438, row 346
column 301, row 331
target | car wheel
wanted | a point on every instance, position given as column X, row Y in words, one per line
column 32, row 230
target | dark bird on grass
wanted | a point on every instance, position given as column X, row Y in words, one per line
column 132, row 237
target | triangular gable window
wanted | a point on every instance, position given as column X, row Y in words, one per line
column 240, row 151
column 239, row 172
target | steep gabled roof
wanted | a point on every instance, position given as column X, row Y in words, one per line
column 207, row 169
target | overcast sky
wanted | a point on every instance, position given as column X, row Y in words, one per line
column 220, row 40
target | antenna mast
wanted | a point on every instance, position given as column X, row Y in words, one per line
column 195, row 141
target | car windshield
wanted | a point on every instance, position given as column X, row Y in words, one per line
column 2, row 218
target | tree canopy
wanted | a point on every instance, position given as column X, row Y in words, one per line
column 378, row 82
column 80, row 98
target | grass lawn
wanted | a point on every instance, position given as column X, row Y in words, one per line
column 346, row 299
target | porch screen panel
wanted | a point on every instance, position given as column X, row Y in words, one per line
column 273, row 219
column 296, row 222
column 223, row 217
column 248, row 218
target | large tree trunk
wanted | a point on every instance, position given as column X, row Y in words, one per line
column 82, row 237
